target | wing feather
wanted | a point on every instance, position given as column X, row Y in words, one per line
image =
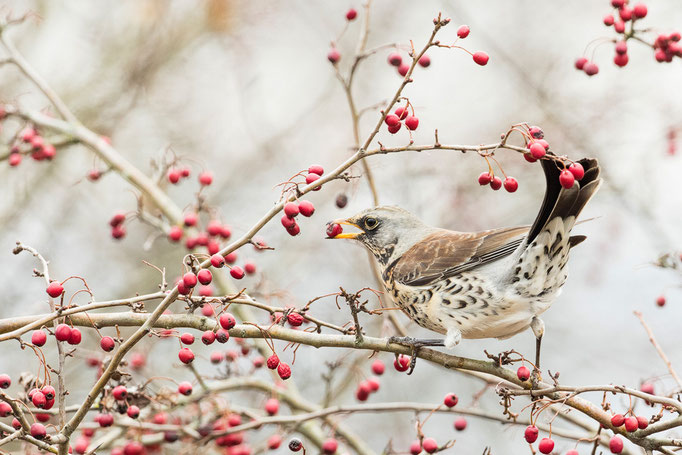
column 446, row 253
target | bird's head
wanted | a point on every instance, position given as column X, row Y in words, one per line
column 386, row 231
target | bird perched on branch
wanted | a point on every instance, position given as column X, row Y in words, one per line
column 489, row 284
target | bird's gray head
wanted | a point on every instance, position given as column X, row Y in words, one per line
column 387, row 231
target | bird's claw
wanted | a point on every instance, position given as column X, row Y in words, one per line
column 414, row 344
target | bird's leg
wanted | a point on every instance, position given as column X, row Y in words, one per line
column 415, row 344
column 538, row 328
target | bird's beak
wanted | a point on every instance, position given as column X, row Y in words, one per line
column 347, row 235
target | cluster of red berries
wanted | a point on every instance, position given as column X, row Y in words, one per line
column 283, row 369
column 632, row 423
column 118, row 229
column 531, row 433
column 305, row 208
column 175, row 174
column 429, row 445
column 394, row 121
column 395, row 59
column 666, row 47
column 29, row 141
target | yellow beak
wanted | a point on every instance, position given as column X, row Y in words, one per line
column 347, row 235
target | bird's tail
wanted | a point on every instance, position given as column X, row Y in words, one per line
column 539, row 272
column 565, row 203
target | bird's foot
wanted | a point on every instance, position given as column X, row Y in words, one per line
column 415, row 344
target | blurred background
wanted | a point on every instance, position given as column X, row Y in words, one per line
column 245, row 90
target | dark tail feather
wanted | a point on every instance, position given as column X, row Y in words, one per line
column 562, row 202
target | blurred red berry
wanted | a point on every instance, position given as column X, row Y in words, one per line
column 463, row 31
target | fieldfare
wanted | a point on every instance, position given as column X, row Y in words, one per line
column 490, row 284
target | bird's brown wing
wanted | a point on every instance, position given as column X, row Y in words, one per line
column 446, row 253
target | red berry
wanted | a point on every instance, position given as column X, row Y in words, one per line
column 460, row 424
column 394, row 129
column 537, row 150
column 274, row 441
column 333, row 230
column 528, row 157
column 184, row 172
column 523, row 373
column 187, row 338
column 206, row 178
column 415, row 448
column 333, row 56
column 463, row 31
column 272, row 361
column 225, row 232
column 424, row 61
column 284, row 370
column 5, row 409
column 609, row 20
column 216, row 357
column 133, row 412
column 412, row 122
column 362, row 393
column 295, row 444
column 204, row 276
column 6, row 381
column 54, row 289
column 62, row 332
column 546, row 445
column 531, row 434
column 640, row 10
column 616, row 444
column 392, row 120
column 402, row 363
column 118, row 232
column 450, row 400
column 642, row 422
column 618, row 3
column 330, row 446
column 186, row 355
column 38, row 431
column 14, row 159
column 222, row 336
column 137, row 360
column 510, row 184
column 566, row 178
column 403, row 69
column 617, row 420
column 572, row 452
column 185, row 388
column 28, row 134
column 660, row 301
column 105, row 420
column 577, row 170
column 250, row 268
column 290, row 210
column 625, row 13
column 395, row 59
column 378, row 367
column 580, row 63
column 481, row 58
column 591, row 68
column 175, row 234
column 173, row 176
column 496, row 183
column 316, row 169
column 189, row 279
column 208, row 337
column 182, row 289
column 619, row 27
column 485, row 178
column 631, row 424
column 191, row 219
column 236, row 272
column 227, row 321
column 119, row 393
column 39, row 399
column 306, row 208
column 217, row 261
column 272, row 406
column 621, row 60
column 133, row 448
column 295, row 319
column 401, row 112
column 38, row 338
column 373, row 384
column 351, row 14
column 310, row 178
column 621, row 47
column 75, row 337
column 429, row 445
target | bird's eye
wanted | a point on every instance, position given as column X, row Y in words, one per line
column 371, row 223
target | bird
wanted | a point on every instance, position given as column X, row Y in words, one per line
column 473, row 285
